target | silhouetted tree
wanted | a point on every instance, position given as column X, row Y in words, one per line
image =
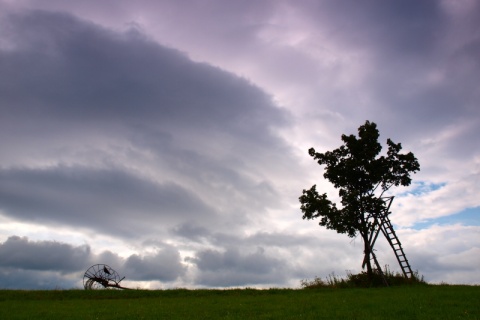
column 362, row 177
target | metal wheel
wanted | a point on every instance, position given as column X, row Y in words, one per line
column 100, row 276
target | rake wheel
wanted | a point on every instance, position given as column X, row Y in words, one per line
column 101, row 276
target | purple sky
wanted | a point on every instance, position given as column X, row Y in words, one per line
column 169, row 139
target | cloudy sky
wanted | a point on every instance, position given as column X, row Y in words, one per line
column 168, row 139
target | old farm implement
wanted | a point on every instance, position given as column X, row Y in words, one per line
column 101, row 276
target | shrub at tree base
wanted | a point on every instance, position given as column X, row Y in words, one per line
column 362, row 280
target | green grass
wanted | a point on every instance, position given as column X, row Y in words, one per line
column 402, row 302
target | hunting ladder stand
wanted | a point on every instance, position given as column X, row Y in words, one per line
column 382, row 223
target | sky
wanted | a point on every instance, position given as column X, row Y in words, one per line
column 169, row 139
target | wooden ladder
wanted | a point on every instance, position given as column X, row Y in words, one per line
column 389, row 233
column 383, row 223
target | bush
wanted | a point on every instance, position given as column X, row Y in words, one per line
column 362, row 280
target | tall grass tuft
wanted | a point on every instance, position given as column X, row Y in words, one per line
column 362, row 280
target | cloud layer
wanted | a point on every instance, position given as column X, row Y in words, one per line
column 169, row 140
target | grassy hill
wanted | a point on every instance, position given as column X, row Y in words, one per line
column 403, row 302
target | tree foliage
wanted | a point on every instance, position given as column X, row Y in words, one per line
column 362, row 175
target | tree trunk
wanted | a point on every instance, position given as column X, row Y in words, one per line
column 368, row 257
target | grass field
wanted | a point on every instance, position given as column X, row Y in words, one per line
column 405, row 302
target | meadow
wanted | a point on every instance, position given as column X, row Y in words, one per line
column 402, row 302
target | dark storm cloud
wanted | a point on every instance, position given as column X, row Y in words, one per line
column 419, row 62
column 163, row 265
column 27, row 264
column 258, row 259
column 36, row 280
column 17, row 252
column 192, row 232
column 263, row 258
column 111, row 201
column 405, row 27
column 68, row 85
column 122, row 136
column 201, row 234
column 64, row 68
column 60, row 76
column 234, row 268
